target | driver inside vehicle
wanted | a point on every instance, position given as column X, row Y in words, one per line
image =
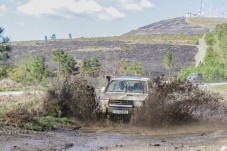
column 122, row 86
column 137, row 87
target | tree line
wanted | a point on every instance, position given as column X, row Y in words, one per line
column 33, row 69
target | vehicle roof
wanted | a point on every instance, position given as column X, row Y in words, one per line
column 195, row 73
column 131, row 78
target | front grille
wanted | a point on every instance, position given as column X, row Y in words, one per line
column 121, row 102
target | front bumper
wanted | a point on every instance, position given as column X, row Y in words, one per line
column 122, row 110
column 115, row 110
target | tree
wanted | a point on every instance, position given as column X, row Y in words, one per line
column 70, row 36
column 69, row 66
column 66, row 63
column 135, row 69
column 53, row 37
column 45, row 38
column 29, row 69
column 4, row 54
column 168, row 61
column 123, row 67
column 4, row 48
column 39, row 67
column 5, row 39
column 39, row 70
column 59, row 53
column 90, row 66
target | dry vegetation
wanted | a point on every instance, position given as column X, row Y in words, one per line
column 222, row 89
column 9, row 85
column 206, row 21
column 146, row 39
column 72, row 97
column 16, row 110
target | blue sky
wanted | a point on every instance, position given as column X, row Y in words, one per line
column 34, row 19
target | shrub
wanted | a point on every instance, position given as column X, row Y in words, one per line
column 210, row 39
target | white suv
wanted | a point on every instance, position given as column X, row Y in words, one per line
column 123, row 94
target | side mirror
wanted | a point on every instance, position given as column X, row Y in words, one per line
column 103, row 89
column 108, row 79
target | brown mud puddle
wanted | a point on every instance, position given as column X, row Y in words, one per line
column 117, row 137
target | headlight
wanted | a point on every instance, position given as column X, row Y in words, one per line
column 103, row 102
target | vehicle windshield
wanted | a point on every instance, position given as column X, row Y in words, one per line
column 133, row 86
column 194, row 75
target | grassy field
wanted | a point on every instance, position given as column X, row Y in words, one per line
column 222, row 89
column 208, row 22
column 149, row 39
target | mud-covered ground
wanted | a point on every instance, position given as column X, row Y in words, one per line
column 198, row 136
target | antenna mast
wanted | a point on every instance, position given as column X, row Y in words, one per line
column 216, row 13
column 210, row 11
column 202, row 8
column 222, row 9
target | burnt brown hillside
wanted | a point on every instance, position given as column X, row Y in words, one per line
column 148, row 45
column 109, row 53
column 179, row 25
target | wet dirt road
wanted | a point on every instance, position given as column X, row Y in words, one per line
column 193, row 137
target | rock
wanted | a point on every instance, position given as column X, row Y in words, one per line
column 202, row 134
column 100, row 147
column 77, row 128
column 69, row 145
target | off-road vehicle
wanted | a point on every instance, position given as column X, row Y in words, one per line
column 195, row 77
column 122, row 95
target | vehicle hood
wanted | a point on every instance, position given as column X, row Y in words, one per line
column 124, row 96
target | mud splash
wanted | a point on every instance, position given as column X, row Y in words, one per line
column 72, row 97
column 175, row 102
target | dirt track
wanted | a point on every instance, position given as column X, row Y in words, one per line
column 202, row 47
column 121, row 137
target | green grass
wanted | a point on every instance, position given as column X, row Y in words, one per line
column 50, row 121
column 47, row 122
column 33, row 126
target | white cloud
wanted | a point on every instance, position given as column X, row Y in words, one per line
column 110, row 13
column 2, row 8
column 21, row 23
column 146, row 4
column 135, row 5
column 69, row 9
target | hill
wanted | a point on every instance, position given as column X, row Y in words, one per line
column 149, row 50
column 180, row 25
column 110, row 52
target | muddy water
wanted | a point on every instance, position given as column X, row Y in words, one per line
column 197, row 136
